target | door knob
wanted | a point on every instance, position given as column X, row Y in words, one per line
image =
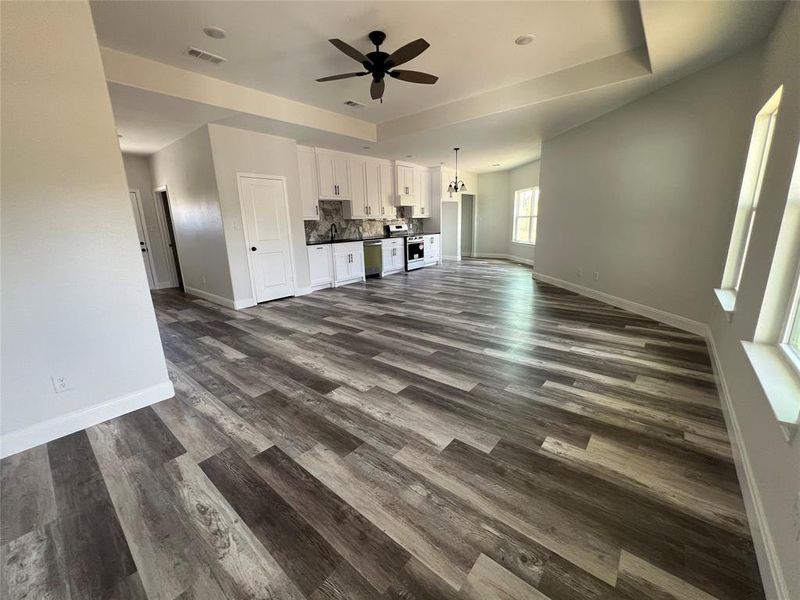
column 144, row 249
column 141, row 243
column 253, row 248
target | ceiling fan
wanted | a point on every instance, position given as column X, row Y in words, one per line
column 380, row 64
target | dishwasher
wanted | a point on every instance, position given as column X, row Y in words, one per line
column 373, row 258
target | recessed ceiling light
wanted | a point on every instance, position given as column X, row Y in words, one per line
column 215, row 32
column 409, row 156
column 525, row 39
column 353, row 104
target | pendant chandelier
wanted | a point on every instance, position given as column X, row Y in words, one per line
column 456, row 185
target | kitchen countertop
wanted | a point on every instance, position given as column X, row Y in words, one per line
column 366, row 239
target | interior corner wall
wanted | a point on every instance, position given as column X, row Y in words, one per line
column 186, row 167
column 772, row 466
column 645, row 195
column 242, row 151
column 75, row 301
column 137, row 171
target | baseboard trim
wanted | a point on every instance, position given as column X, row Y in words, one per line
column 162, row 285
column 768, row 562
column 511, row 257
column 451, row 257
column 656, row 314
column 240, row 304
column 226, row 302
column 51, row 429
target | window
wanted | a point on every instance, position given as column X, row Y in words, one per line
column 791, row 335
column 757, row 155
column 526, row 213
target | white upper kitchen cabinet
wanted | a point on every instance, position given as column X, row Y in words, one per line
column 423, row 207
column 372, row 185
column 388, row 208
column 333, row 172
column 359, row 206
column 309, row 194
column 406, row 175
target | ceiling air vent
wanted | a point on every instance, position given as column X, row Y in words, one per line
column 353, row 104
column 203, row 55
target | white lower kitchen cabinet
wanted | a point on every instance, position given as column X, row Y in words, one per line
column 433, row 254
column 320, row 265
column 348, row 263
column 393, row 259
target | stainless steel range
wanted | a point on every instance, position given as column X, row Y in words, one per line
column 414, row 245
column 415, row 252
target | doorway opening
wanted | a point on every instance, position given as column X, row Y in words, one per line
column 167, row 229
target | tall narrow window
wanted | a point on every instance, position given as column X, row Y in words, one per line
column 757, row 155
column 526, row 213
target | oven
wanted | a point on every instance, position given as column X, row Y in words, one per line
column 415, row 252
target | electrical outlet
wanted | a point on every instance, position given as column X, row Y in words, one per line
column 580, row 273
column 596, row 275
column 60, row 383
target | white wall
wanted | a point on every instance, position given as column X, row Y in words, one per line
column 238, row 150
column 75, row 300
column 645, row 194
column 773, row 464
column 187, row 169
column 137, row 171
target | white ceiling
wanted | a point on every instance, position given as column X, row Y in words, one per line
column 282, row 47
column 423, row 121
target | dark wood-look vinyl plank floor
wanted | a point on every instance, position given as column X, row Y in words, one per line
column 461, row 432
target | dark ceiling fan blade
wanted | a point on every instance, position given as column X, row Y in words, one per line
column 407, row 52
column 350, row 51
column 376, row 89
column 413, row 76
column 342, row 76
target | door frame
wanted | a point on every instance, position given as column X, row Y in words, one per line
column 162, row 229
column 150, row 261
column 247, row 244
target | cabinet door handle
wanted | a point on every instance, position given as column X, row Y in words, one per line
column 316, row 209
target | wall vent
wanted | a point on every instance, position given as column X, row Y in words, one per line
column 353, row 104
column 203, row 55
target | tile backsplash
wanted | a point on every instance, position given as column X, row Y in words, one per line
column 331, row 212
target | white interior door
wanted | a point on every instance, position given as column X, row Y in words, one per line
column 144, row 240
column 266, row 223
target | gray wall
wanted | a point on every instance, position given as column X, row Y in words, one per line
column 137, row 170
column 187, row 169
column 774, row 464
column 659, row 175
column 647, row 194
column 75, row 301
column 451, row 213
column 496, row 212
column 467, row 222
